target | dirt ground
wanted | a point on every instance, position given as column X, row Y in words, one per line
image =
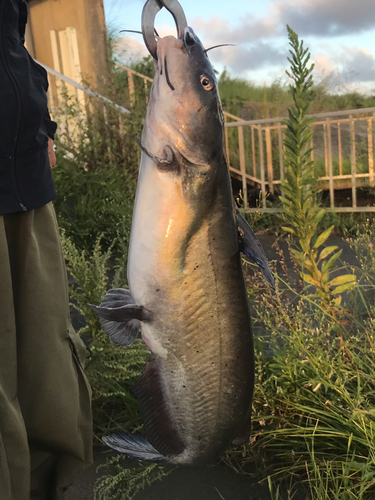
column 203, row 483
column 196, row 483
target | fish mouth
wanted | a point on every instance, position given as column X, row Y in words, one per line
column 189, row 38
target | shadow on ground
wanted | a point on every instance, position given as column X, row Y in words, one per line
column 196, row 483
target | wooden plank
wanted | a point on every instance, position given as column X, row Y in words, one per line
column 55, row 51
column 335, row 209
column 262, row 169
column 75, row 64
column 330, row 166
column 370, row 152
column 269, row 160
column 131, row 88
column 353, row 161
column 66, row 67
column 243, row 165
column 281, row 153
column 56, row 64
column 146, row 90
column 229, row 115
column 226, row 138
column 269, row 121
column 339, row 146
column 125, row 68
column 344, row 176
column 253, row 151
column 325, row 148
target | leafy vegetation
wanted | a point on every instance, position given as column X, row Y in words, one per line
column 313, row 409
column 314, row 398
column 302, row 211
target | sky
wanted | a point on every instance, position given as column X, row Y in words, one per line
column 339, row 33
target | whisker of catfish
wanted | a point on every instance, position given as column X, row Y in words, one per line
column 221, row 45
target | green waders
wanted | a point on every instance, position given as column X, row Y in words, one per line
column 45, row 410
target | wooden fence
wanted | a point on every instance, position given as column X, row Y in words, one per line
column 342, row 148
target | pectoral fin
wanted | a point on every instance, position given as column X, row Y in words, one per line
column 251, row 247
column 120, row 317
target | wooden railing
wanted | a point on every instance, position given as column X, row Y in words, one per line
column 342, row 147
column 342, row 150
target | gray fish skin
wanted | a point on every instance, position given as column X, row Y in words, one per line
column 184, row 267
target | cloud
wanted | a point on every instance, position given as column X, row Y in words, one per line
column 129, row 48
column 323, row 65
column 241, row 60
column 306, row 17
column 349, row 69
column 218, row 30
column 352, row 64
column 359, row 65
column 326, row 17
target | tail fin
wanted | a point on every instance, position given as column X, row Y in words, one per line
column 134, row 446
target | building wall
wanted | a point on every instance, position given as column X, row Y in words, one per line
column 87, row 17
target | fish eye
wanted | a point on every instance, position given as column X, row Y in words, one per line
column 207, row 84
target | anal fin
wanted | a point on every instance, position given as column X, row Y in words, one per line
column 160, row 427
column 120, row 317
column 134, row 446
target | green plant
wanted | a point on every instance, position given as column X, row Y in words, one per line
column 313, row 407
column 112, row 371
column 302, row 211
column 123, row 482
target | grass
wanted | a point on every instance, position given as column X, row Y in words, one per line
column 313, row 410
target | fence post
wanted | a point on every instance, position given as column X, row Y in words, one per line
column 339, row 146
column 269, row 160
column 330, row 169
column 353, row 161
column 146, row 89
column 281, row 152
column 325, row 148
column 131, row 86
column 226, row 140
column 370, row 152
column 253, row 151
column 243, row 165
column 262, row 172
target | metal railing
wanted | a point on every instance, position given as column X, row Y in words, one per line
column 342, row 146
column 54, row 99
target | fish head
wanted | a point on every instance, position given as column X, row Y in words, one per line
column 185, row 110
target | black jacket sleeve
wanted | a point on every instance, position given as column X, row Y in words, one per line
column 22, row 20
column 50, row 125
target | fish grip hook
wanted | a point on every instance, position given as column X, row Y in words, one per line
column 150, row 9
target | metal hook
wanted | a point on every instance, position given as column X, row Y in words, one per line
column 151, row 8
